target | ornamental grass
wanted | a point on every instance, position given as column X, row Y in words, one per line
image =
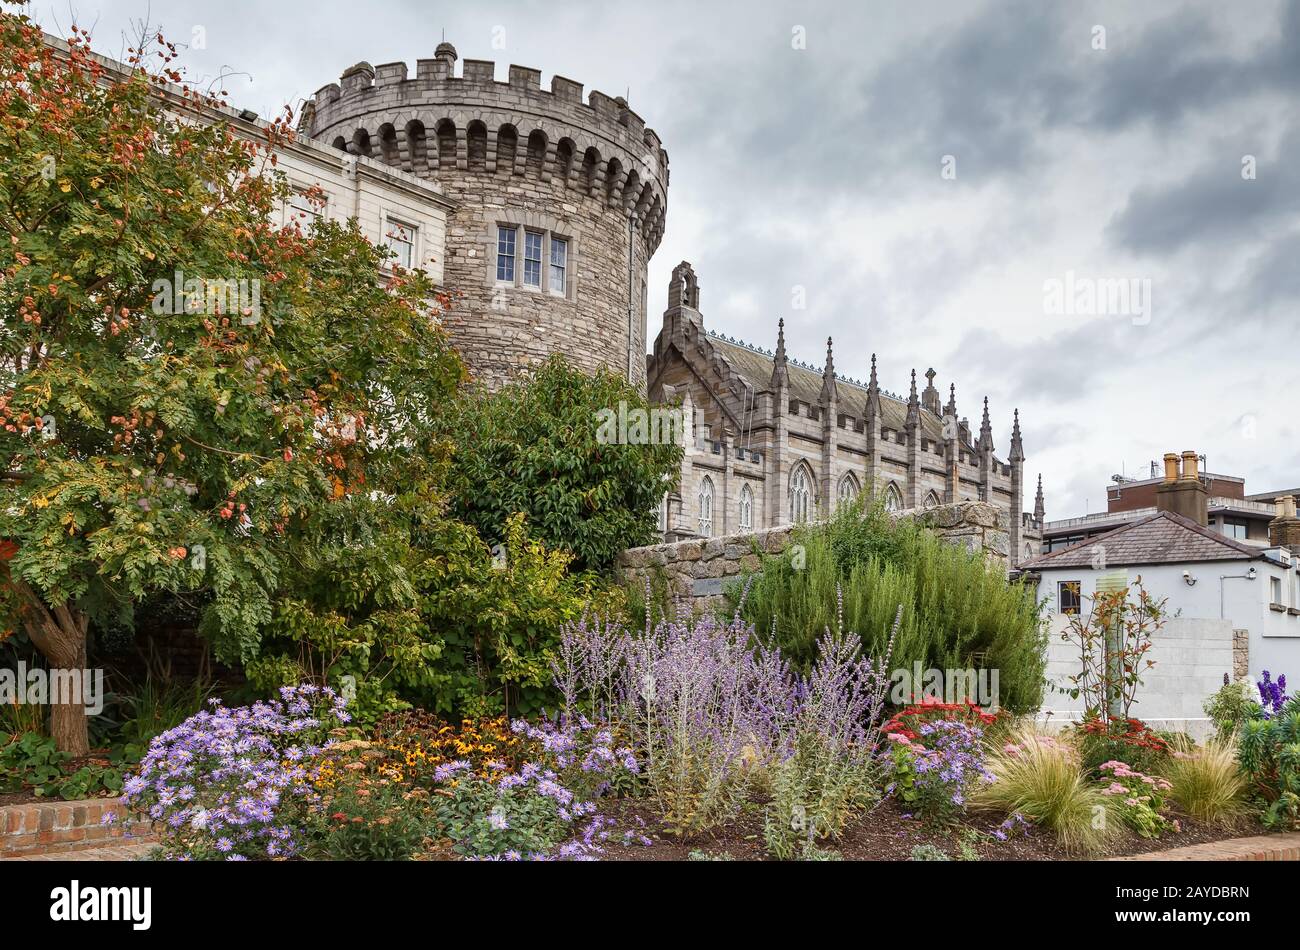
column 1039, row 776
column 1208, row 784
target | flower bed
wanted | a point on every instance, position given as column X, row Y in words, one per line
column 690, row 739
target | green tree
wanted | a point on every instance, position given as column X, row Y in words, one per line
column 537, row 446
column 185, row 387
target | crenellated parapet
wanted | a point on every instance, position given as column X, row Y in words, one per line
column 435, row 121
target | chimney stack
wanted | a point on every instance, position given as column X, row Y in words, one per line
column 1284, row 529
column 1182, row 491
column 1171, row 468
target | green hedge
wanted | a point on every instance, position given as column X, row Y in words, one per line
column 958, row 611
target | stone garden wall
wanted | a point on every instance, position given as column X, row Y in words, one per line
column 696, row 570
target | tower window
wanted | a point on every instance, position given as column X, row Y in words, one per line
column 506, row 254
column 746, row 509
column 559, row 262
column 532, row 258
column 400, row 239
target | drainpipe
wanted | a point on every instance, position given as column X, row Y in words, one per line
column 1250, row 575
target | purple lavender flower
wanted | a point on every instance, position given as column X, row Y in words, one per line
column 1272, row 695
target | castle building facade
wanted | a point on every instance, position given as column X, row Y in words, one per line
column 771, row 441
column 558, row 203
column 540, row 213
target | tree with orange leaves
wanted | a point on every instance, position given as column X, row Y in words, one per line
column 185, row 387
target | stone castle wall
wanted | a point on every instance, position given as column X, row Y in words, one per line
column 697, row 570
column 512, row 155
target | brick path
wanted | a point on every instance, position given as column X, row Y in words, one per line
column 117, row 851
column 1259, row 848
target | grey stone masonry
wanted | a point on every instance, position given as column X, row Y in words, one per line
column 1240, row 654
column 560, row 203
column 696, row 570
column 771, row 440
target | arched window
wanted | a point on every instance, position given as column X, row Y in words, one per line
column 893, row 498
column 931, row 499
column 847, row 490
column 801, row 493
column 706, row 507
column 746, row 509
column 1029, row 551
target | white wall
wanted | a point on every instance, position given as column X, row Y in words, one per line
column 1190, row 655
column 1195, row 647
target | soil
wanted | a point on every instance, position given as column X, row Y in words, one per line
column 885, row 835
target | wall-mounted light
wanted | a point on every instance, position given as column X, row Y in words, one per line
column 1188, row 579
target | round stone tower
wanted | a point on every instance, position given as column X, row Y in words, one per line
column 560, row 203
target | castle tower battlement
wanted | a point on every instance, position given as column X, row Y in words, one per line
column 572, row 180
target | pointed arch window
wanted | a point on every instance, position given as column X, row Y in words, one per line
column 893, row 498
column 801, row 494
column 847, row 492
column 931, row 499
column 746, row 508
column 706, row 507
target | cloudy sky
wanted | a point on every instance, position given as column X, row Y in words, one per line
column 924, row 172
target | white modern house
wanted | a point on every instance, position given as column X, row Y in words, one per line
column 1234, row 608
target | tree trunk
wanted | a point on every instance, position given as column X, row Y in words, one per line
column 60, row 635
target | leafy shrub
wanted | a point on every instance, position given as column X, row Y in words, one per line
column 959, row 611
column 32, row 763
column 1139, row 799
column 364, row 822
column 421, row 613
column 533, row 447
column 1130, row 741
column 1269, row 752
column 1039, row 778
column 1229, row 708
column 237, row 783
column 516, row 820
column 935, row 774
column 1208, row 783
